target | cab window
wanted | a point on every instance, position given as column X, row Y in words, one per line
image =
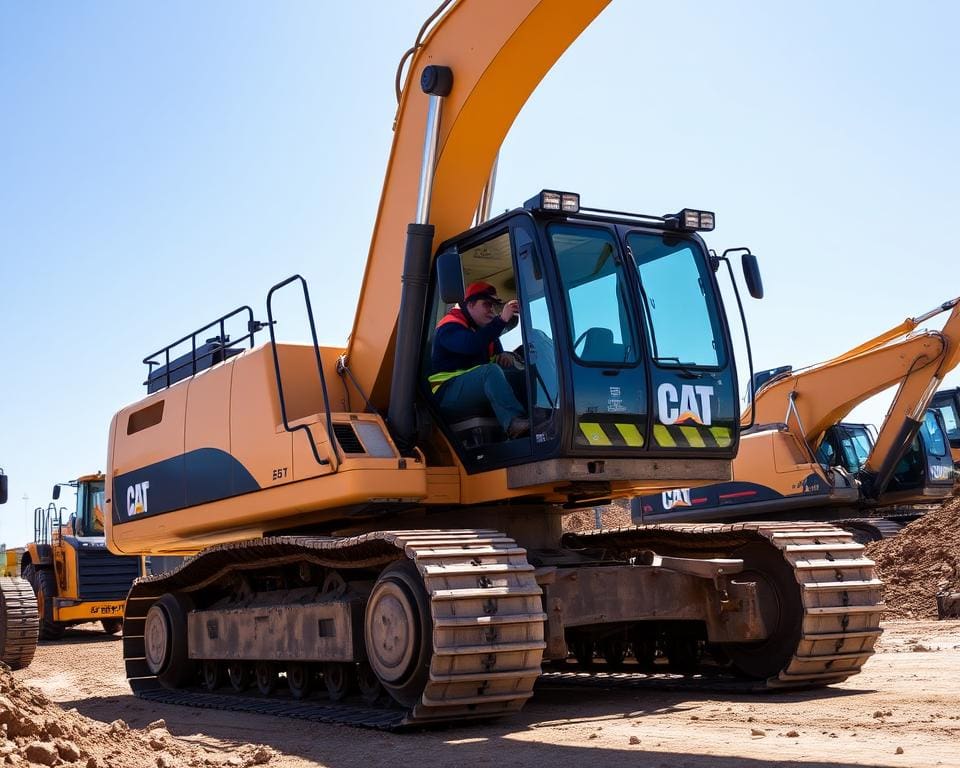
column 681, row 310
column 594, row 287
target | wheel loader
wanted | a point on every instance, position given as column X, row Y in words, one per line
column 19, row 621
column 75, row 578
column 355, row 554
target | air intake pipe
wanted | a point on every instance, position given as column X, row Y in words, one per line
column 436, row 81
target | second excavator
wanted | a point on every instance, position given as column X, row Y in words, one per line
column 350, row 534
column 799, row 461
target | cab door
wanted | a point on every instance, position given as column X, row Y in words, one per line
column 693, row 378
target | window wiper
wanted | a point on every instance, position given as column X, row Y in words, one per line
column 675, row 361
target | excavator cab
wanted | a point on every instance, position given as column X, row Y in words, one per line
column 845, row 445
column 925, row 469
column 947, row 404
column 623, row 339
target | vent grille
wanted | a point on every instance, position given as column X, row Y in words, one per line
column 348, row 439
column 105, row 576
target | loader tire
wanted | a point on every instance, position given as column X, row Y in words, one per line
column 111, row 626
column 44, row 585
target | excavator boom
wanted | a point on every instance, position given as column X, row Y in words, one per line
column 512, row 45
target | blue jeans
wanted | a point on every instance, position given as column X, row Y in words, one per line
column 488, row 386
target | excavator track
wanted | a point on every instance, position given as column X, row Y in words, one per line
column 836, row 587
column 19, row 622
column 485, row 611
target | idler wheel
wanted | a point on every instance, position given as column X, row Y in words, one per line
column 398, row 632
column 781, row 606
column 165, row 640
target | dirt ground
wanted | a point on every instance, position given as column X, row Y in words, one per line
column 901, row 711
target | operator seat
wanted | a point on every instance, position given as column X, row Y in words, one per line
column 599, row 347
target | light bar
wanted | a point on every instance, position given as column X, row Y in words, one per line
column 691, row 220
column 554, row 200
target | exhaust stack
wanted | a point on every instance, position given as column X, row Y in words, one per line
column 436, row 81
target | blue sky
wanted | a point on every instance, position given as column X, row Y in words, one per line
column 161, row 164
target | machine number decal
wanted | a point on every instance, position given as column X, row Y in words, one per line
column 280, row 473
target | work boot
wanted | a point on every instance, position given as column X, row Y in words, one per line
column 518, row 427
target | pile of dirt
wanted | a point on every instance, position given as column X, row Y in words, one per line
column 615, row 515
column 920, row 562
column 35, row 731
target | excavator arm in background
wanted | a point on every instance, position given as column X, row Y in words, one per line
column 513, row 44
column 911, row 401
column 813, row 399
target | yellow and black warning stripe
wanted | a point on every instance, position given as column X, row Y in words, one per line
column 620, row 434
column 691, row 436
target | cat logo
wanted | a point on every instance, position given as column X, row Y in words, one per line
column 137, row 498
column 678, row 497
column 690, row 406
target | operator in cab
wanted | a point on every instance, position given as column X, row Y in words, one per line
column 471, row 374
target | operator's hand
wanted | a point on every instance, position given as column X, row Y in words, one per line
column 510, row 309
column 507, row 360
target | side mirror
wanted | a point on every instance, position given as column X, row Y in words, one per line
column 450, row 277
column 3, row 488
column 751, row 274
column 56, row 492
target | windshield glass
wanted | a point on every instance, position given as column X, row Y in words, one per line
column 933, row 435
column 92, row 512
column 681, row 310
column 591, row 271
column 855, row 444
column 949, row 416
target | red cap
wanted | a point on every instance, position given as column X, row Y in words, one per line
column 480, row 289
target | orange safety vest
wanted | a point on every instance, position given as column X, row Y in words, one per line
column 455, row 315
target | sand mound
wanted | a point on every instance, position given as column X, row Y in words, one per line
column 35, row 731
column 920, row 561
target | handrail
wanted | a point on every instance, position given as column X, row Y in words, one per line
column 323, row 382
column 220, row 323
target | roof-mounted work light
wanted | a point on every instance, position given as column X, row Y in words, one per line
column 551, row 200
column 690, row 220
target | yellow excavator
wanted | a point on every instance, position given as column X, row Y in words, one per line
column 348, row 534
column 75, row 577
column 19, row 622
column 800, row 461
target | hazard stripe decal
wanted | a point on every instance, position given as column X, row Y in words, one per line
column 693, row 437
column 594, row 433
column 662, row 436
column 630, row 435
